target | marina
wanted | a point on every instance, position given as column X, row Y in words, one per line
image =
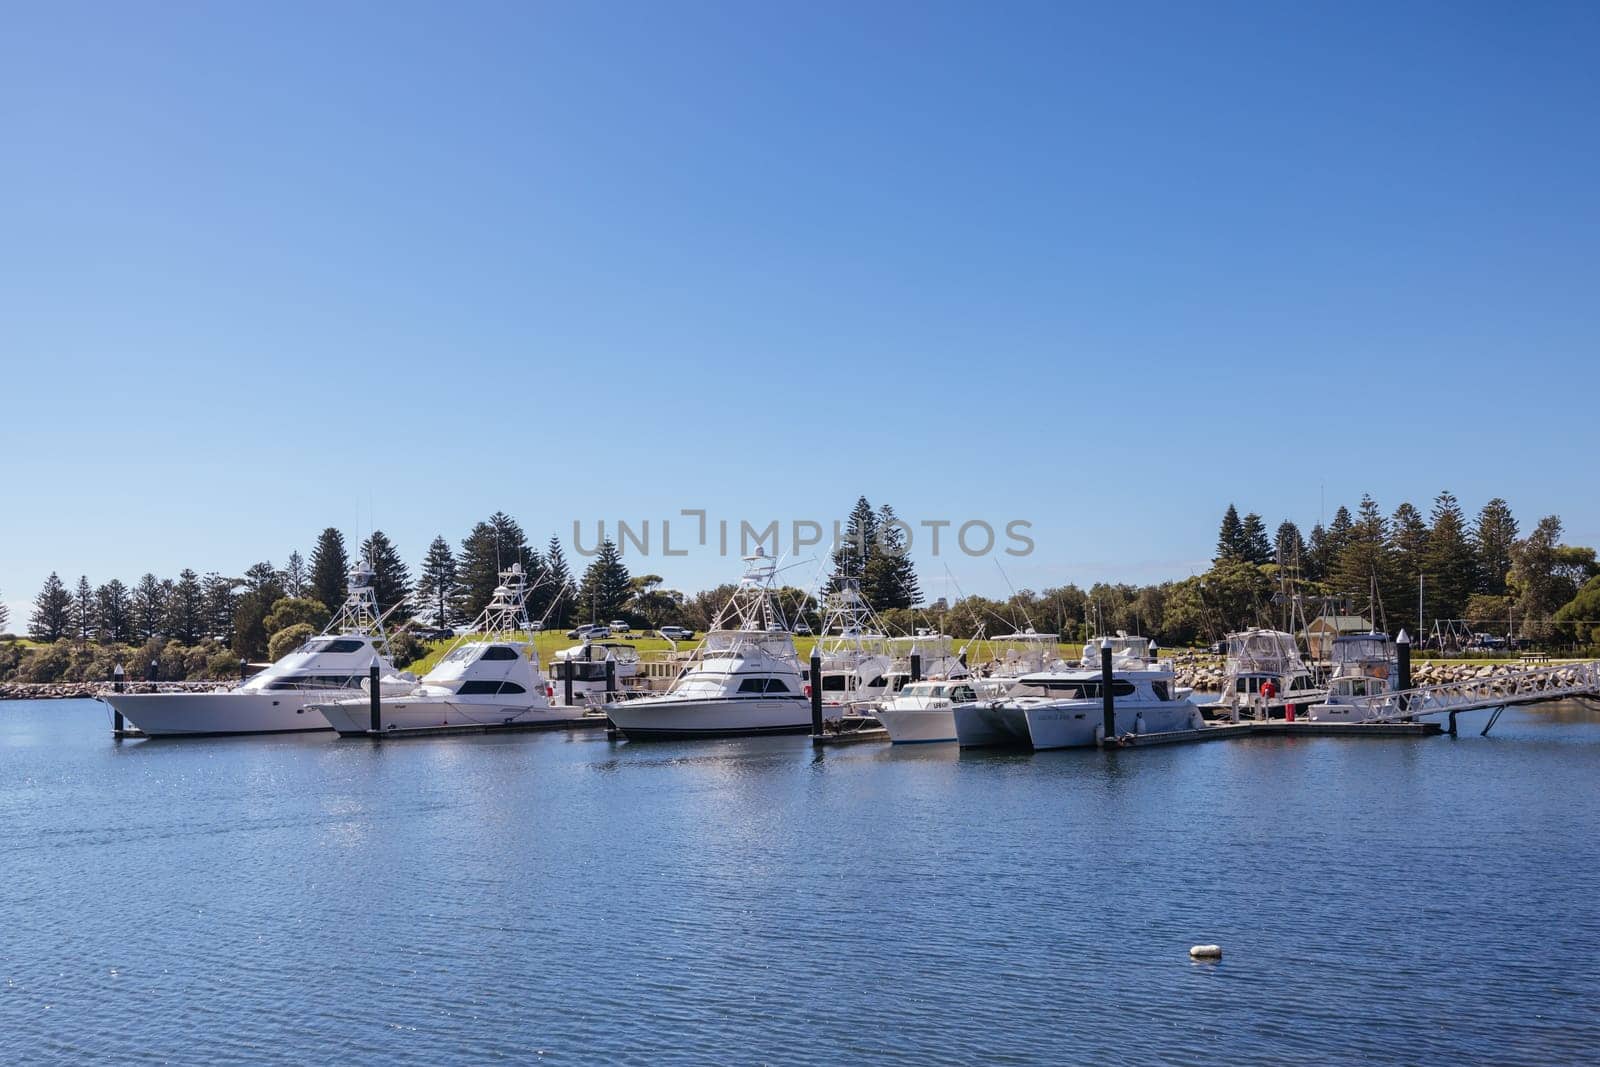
column 770, row 866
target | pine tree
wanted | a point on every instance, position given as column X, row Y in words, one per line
column 1408, row 545
column 263, row 587
column 52, row 611
column 149, row 607
column 559, row 581
column 115, row 608
column 1289, row 548
column 890, row 579
column 84, row 610
column 1538, row 590
column 1451, row 565
column 5, row 614
column 436, row 579
column 490, row 547
column 186, row 618
column 1230, row 538
column 391, row 578
column 856, row 547
column 1363, row 563
column 219, row 601
column 1253, row 543
column 1315, row 563
column 296, row 577
column 330, row 568
column 606, row 585
column 1493, row 537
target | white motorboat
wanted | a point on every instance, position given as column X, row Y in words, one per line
column 587, row 664
column 745, row 678
column 282, row 698
column 1365, row 667
column 856, row 661
column 937, row 659
column 1255, row 658
column 490, row 679
column 923, row 712
column 1026, row 652
column 1065, row 709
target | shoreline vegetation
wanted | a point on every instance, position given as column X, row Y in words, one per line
column 1457, row 586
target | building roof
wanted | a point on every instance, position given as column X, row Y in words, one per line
column 1341, row 623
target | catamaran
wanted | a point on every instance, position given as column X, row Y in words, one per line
column 1065, row 709
column 282, row 698
column 490, row 678
column 745, row 678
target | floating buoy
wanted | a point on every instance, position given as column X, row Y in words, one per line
column 1206, row 952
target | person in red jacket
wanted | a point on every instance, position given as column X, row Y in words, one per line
column 1268, row 691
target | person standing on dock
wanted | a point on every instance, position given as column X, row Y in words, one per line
column 1268, row 691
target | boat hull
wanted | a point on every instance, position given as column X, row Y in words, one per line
column 657, row 718
column 1074, row 725
column 918, row 726
column 982, row 726
column 220, row 714
column 353, row 718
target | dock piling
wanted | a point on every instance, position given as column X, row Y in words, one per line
column 374, row 699
column 816, row 696
column 117, row 724
column 566, row 679
column 611, row 679
column 916, row 666
column 1402, row 649
column 1108, row 703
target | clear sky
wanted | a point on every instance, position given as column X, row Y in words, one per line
column 266, row 268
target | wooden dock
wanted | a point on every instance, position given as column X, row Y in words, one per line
column 853, row 730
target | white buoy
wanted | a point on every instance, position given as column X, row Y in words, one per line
column 1206, row 952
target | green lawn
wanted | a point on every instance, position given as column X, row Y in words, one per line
column 550, row 642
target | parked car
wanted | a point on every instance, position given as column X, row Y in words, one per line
column 802, row 627
column 619, row 626
column 675, row 633
column 433, row 633
column 587, row 630
column 535, row 627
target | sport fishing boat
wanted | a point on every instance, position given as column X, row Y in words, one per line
column 587, row 664
column 1025, row 652
column 936, row 657
column 745, row 678
column 856, row 661
column 1364, row 666
column 282, row 698
column 1255, row 658
column 1065, row 709
column 923, row 712
column 490, row 678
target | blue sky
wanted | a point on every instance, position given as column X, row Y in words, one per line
column 269, row 268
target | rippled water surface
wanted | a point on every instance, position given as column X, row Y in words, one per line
column 567, row 897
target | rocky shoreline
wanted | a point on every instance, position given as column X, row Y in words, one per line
column 1205, row 673
column 82, row 690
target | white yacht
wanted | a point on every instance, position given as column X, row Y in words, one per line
column 586, row 663
column 490, row 678
column 923, row 712
column 855, row 654
column 282, row 698
column 745, row 678
column 1026, row 652
column 937, row 659
column 1065, row 709
column 1256, row 657
column 1364, row 666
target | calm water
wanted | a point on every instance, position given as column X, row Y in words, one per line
column 459, row 900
